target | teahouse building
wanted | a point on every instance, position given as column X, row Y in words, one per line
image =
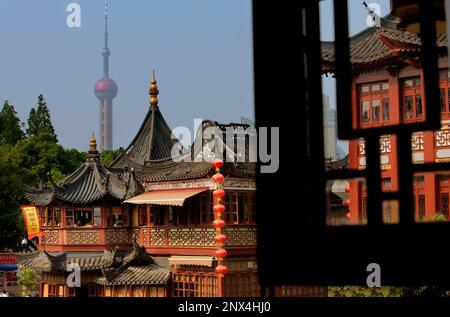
column 164, row 200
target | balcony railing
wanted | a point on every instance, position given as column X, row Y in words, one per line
column 151, row 236
column 87, row 236
column 196, row 236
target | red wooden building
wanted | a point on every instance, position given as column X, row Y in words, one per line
column 91, row 217
column 387, row 89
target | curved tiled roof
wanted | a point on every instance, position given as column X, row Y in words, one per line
column 136, row 267
column 374, row 46
column 90, row 182
column 152, row 142
column 409, row 37
column 337, row 165
column 141, row 274
column 43, row 261
column 190, row 164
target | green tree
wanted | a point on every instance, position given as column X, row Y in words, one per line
column 10, row 126
column 25, row 162
column 26, row 165
column 39, row 155
column 32, row 123
column 107, row 157
column 387, row 291
column 363, row 291
column 39, row 121
column 11, row 222
column 28, row 280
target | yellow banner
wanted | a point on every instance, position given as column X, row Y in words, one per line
column 30, row 214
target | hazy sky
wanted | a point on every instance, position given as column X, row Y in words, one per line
column 200, row 49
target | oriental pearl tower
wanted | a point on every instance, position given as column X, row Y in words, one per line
column 106, row 90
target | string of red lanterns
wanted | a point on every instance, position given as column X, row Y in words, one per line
column 347, row 202
column 219, row 209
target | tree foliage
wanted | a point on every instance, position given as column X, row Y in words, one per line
column 10, row 125
column 28, row 280
column 107, row 157
column 32, row 123
column 39, row 155
column 40, row 121
column 25, row 162
column 11, row 222
column 387, row 291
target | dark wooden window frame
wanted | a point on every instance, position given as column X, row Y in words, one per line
column 328, row 256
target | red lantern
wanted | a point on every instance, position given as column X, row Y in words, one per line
column 221, row 253
column 220, row 238
column 219, row 223
column 347, row 215
column 347, row 203
column 347, row 189
column 217, row 178
column 218, row 193
column 219, row 208
column 217, row 163
column 221, row 269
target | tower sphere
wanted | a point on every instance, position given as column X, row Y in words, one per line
column 106, row 88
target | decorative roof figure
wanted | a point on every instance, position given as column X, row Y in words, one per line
column 153, row 91
column 154, row 140
column 93, row 144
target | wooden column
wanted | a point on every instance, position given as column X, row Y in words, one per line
column 429, row 178
column 148, row 226
column 353, row 159
column 395, row 119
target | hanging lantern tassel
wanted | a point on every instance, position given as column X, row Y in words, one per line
column 219, row 209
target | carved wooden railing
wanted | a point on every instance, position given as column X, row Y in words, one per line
column 152, row 236
column 196, row 236
column 87, row 236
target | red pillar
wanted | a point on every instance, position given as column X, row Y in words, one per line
column 429, row 178
column 355, row 199
column 394, row 117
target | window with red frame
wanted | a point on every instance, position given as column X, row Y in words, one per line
column 374, row 103
column 50, row 217
column 158, row 215
column 444, row 194
column 419, row 196
column 444, row 89
column 206, row 211
column 412, row 108
column 69, row 217
column 142, row 215
column 240, row 207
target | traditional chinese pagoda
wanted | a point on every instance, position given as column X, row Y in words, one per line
column 84, row 222
column 387, row 89
column 164, row 200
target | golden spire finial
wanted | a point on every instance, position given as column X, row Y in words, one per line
column 93, row 144
column 153, row 92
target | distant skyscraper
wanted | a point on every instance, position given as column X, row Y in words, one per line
column 330, row 135
column 106, row 90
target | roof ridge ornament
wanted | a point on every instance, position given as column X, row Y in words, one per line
column 153, row 91
column 93, row 144
column 93, row 152
column 55, row 185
